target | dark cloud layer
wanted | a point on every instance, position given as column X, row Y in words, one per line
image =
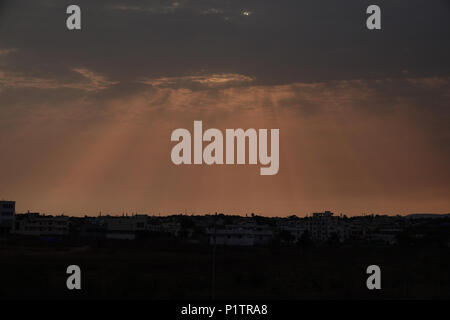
column 279, row 42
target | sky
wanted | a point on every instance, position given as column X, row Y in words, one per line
column 86, row 116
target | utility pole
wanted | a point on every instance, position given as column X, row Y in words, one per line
column 213, row 278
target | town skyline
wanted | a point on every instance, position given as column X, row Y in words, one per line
column 220, row 212
column 232, row 230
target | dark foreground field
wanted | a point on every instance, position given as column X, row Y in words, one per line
column 176, row 271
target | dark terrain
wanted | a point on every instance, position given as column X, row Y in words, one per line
column 171, row 270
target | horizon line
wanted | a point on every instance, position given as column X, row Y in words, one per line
column 250, row 215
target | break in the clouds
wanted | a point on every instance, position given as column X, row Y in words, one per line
column 213, row 80
column 165, row 7
column 90, row 81
column 86, row 116
column 7, row 51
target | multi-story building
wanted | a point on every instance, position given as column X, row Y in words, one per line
column 294, row 228
column 7, row 216
column 239, row 236
column 323, row 225
column 125, row 227
column 41, row 225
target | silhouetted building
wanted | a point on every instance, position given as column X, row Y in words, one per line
column 7, row 215
column 323, row 225
column 125, row 227
column 240, row 236
column 41, row 225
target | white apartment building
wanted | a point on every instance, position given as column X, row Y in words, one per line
column 41, row 225
column 125, row 227
column 239, row 236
